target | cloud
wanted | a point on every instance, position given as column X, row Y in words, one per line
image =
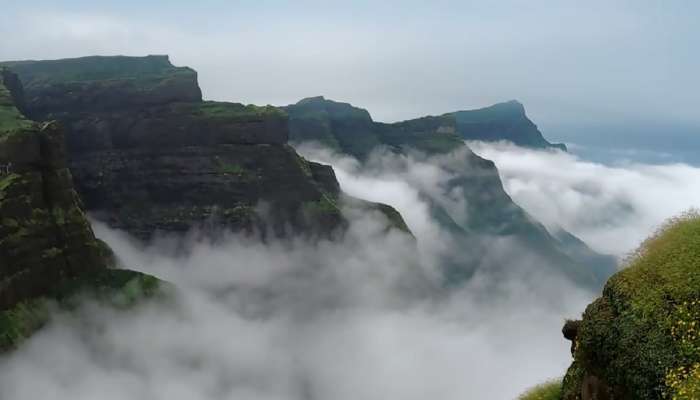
column 366, row 317
column 611, row 207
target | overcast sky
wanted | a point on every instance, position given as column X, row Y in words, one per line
column 575, row 65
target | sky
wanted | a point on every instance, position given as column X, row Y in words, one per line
column 597, row 73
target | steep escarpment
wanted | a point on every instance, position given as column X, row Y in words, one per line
column 487, row 211
column 640, row 339
column 148, row 154
column 47, row 247
column 502, row 121
column 351, row 130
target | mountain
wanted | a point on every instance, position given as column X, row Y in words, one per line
column 489, row 211
column 351, row 130
column 502, row 121
column 148, row 155
column 47, row 248
column 639, row 339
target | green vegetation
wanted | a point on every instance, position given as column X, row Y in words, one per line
column 437, row 143
column 324, row 206
column 303, row 164
column 546, row 391
column 5, row 182
column 96, row 68
column 234, row 169
column 112, row 287
column 394, row 217
column 235, row 111
column 18, row 323
column 11, row 120
column 498, row 112
column 641, row 336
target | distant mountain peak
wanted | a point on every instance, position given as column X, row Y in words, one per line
column 502, row 121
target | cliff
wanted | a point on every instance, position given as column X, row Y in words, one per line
column 149, row 155
column 488, row 210
column 351, row 130
column 502, row 121
column 47, row 247
column 640, row 340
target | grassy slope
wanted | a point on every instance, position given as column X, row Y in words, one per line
column 117, row 288
column 642, row 336
column 11, row 120
column 546, row 391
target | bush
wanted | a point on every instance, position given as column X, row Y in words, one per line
column 547, row 391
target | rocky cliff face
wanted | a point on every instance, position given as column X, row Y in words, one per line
column 148, row 155
column 502, row 121
column 44, row 235
column 47, row 247
column 640, row 339
column 488, row 211
column 351, row 130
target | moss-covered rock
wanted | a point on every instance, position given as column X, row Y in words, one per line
column 112, row 287
column 48, row 252
column 640, row 339
column 101, row 83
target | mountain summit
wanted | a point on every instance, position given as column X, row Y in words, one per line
column 502, row 121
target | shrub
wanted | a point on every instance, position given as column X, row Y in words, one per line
column 547, row 391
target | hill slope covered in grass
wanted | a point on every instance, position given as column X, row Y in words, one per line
column 640, row 339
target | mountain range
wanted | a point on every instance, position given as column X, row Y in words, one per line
column 131, row 141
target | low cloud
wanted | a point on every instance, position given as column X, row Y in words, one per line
column 611, row 207
column 367, row 317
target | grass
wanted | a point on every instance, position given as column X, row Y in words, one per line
column 121, row 289
column 236, row 111
column 233, row 169
column 11, row 120
column 324, row 206
column 642, row 334
column 95, row 68
column 547, row 391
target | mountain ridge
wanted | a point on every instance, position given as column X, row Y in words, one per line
column 350, row 130
column 149, row 155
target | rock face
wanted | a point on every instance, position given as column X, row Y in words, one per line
column 47, row 247
column 148, row 155
column 351, row 130
column 488, row 211
column 640, row 339
column 44, row 235
column 502, row 121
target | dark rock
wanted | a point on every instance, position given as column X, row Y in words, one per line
column 48, row 251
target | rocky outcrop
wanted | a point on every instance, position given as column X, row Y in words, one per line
column 502, row 121
column 640, row 339
column 488, row 210
column 351, row 130
column 44, row 235
column 103, row 83
column 47, row 247
column 149, row 155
